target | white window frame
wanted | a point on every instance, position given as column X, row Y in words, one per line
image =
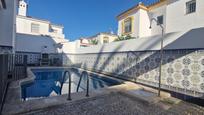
column 129, row 26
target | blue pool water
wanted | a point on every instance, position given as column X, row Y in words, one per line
column 47, row 83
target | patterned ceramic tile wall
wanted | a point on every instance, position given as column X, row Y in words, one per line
column 5, row 50
column 68, row 59
column 182, row 70
column 32, row 58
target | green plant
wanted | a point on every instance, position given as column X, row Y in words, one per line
column 94, row 42
column 121, row 38
column 128, row 37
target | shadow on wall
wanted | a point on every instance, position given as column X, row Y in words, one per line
column 137, row 63
column 34, row 45
column 184, row 39
column 66, row 60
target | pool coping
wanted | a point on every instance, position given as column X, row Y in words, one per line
column 14, row 90
column 14, row 104
column 31, row 76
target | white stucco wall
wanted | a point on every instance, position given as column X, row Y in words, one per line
column 100, row 37
column 136, row 23
column 144, row 23
column 175, row 18
column 22, row 8
column 33, row 43
column 23, row 25
column 119, row 28
column 24, row 22
column 178, row 20
column 178, row 40
column 70, row 47
column 7, row 23
column 59, row 31
column 111, row 38
column 58, row 28
column 154, row 13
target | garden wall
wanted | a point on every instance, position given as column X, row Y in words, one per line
column 138, row 60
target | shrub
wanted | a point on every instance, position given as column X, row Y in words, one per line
column 121, row 38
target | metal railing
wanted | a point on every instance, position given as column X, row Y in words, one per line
column 7, row 74
column 70, row 81
column 84, row 73
column 4, row 73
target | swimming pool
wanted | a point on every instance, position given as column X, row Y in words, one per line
column 47, row 83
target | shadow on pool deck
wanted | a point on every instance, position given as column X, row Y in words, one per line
column 117, row 104
column 128, row 98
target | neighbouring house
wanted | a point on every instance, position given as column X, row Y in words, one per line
column 174, row 15
column 84, row 42
column 7, row 25
column 100, row 38
column 40, row 40
column 28, row 25
column 139, row 60
column 35, row 35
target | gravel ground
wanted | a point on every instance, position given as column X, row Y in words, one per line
column 116, row 104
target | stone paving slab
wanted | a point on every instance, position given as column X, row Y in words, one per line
column 109, row 104
column 125, row 99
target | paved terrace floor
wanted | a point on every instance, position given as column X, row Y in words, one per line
column 119, row 104
column 125, row 99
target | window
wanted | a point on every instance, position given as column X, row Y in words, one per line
column 45, row 56
column 35, row 28
column 160, row 20
column 105, row 40
column 128, row 25
column 191, row 6
column 55, row 31
column 2, row 4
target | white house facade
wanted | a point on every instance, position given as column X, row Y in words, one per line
column 103, row 38
column 29, row 25
column 173, row 15
column 7, row 25
column 37, row 35
column 98, row 39
column 138, row 60
column 33, row 26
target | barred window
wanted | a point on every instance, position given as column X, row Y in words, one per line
column 191, row 6
column 35, row 28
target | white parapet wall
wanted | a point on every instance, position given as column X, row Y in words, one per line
column 138, row 60
column 190, row 39
column 33, row 43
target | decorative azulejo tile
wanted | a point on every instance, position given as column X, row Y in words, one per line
column 183, row 69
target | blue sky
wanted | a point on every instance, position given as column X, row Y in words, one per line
column 81, row 18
